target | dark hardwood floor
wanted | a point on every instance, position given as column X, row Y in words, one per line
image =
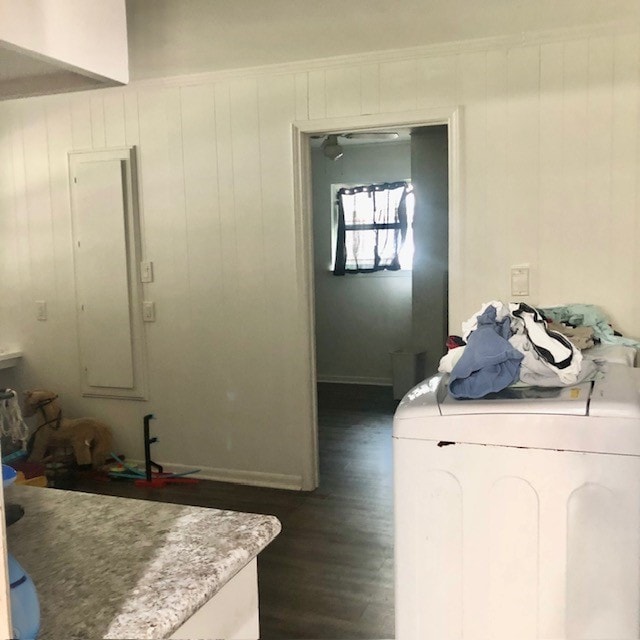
column 329, row 574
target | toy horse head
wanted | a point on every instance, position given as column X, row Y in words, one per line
column 36, row 399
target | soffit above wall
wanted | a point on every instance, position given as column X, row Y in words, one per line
column 22, row 75
column 178, row 37
column 66, row 45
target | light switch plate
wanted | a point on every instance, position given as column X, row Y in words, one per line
column 146, row 271
column 41, row 309
column 520, row 280
column 148, row 311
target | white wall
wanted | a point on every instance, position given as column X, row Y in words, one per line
column 89, row 36
column 430, row 309
column 550, row 176
column 360, row 318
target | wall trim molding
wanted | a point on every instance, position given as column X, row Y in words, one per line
column 234, row 476
column 303, row 211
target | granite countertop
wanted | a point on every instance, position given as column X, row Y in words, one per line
column 108, row 567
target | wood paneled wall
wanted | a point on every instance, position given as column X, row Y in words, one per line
column 549, row 176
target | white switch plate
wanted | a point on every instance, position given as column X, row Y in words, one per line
column 41, row 309
column 520, row 280
column 146, row 271
column 148, row 311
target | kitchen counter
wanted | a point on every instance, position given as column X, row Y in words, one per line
column 107, row 567
column 9, row 359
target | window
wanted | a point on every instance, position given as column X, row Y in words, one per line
column 373, row 227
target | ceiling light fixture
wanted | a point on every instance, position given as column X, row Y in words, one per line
column 331, row 148
column 374, row 136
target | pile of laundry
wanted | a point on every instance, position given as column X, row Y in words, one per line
column 516, row 344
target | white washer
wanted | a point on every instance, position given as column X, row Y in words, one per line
column 518, row 516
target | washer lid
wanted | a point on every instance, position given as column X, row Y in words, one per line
column 431, row 398
column 617, row 393
column 424, row 399
column 599, row 417
column 573, row 401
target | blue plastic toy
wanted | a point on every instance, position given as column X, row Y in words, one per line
column 25, row 608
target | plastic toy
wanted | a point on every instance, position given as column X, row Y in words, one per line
column 149, row 478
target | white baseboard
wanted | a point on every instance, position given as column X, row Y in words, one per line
column 378, row 382
column 251, row 478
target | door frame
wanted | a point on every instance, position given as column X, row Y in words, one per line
column 303, row 210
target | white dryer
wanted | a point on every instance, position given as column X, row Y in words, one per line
column 517, row 516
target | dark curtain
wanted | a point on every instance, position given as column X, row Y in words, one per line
column 372, row 225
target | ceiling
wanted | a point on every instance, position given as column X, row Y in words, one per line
column 176, row 37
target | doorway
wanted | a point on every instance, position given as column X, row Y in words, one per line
column 360, row 318
column 436, row 270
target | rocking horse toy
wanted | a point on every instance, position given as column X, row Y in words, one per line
column 89, row 438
